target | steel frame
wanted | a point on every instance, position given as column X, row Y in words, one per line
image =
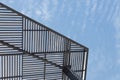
column 30, row 50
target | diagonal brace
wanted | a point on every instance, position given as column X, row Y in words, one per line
column 30, row 54
column 66, row 69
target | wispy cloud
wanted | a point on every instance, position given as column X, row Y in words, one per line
column 43, row 10
column 84, row 26
column 94, row 6
column 117, row 34
column 116, row 23
column 90, row 10
column 115, row 17
column 100, row 62
column 46, row 9
column 116, row 77
column 40, row 9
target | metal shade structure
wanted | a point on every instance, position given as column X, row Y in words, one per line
column 31, row 51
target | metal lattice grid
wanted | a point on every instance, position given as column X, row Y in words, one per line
column 31, row 51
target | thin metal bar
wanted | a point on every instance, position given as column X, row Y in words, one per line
column 86, row 63
column 1, row 66
column 9, row 77
column 83, row 63
column 4, row 67
column 25, row 52
column 51, row 52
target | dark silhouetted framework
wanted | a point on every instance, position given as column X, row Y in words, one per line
column 31, row 51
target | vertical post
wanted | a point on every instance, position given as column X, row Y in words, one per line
column 23, row 25
column 86, row 63
column 46, row 38
column 66, row 59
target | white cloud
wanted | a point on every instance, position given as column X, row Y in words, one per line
column 88, row 2
column 11, row 1
column 41, row 9
column 116, row 22
column 102, row 64
column 117, row 36
column 94, row 7
column 55, row 2
column 117, row 26
column 63, row 6
column 84, row 26
column 45, row 10
column 112, row 11
column 116, row 77
column 38, row 12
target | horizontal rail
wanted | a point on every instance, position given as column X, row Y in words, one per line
column 9, row 77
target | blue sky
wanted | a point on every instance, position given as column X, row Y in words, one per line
column 93, row 23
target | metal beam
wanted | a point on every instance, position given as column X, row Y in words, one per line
column 30, row 54
column 71, row 74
